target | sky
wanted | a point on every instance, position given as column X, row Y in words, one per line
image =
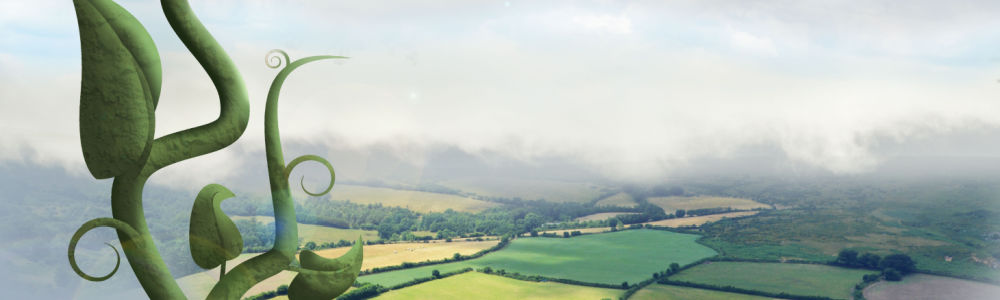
column 629, row 89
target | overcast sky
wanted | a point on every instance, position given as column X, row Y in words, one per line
column 633, row 89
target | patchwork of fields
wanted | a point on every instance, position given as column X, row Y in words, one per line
column 630, row 255
column 671, row 204
column 474, row 285
column 795, row 279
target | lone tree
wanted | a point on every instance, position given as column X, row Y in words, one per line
column 680, row 213
column 624, row 284
column 436, row 274
column 674, row 267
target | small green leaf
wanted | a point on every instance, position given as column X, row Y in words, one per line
column 326, row 278
column 119, row 88
column 214, row 237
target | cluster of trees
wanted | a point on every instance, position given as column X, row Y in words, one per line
column 893, row 266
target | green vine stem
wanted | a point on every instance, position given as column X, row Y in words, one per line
column 126, row 194
column 119, row 93
column 244, row 276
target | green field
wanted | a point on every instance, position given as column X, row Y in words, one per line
column 321, row 234
column 631, row 255
column 670, row 292
column 619, row 199
column 474, row 285
column 413, row 200
column 795, row 279
column 550, row 190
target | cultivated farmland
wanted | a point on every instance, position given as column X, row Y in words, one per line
column 795, row 279
column 631, row 255
column 677, row 222
column 670, row 292
column 920, row 286
column 601, row 216
column 320, row 234
column 413, row 200
column 671, row 204
column 474, row 285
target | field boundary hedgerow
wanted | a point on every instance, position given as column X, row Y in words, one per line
column 733, row 289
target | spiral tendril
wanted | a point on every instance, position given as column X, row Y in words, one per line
column 95, row 223
column 273, row 60
column 309, row 157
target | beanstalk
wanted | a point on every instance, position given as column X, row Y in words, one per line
column 120, row 90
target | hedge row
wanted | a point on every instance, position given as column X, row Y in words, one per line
column 733, row 289
column 540, row 278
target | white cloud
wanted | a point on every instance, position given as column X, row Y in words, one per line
column 605, row 23
column 490, row 79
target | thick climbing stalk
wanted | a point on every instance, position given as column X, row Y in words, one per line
column 119, row 93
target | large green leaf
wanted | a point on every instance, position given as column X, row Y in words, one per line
column 214, row 237
column 325, row 279
column 119, row 89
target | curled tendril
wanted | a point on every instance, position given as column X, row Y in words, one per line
column 310, row 157
column 100, row 222
column 273, row 61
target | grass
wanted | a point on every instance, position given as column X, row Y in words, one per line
column 321, row 234
column 670, row 292
column 619, row 199
column 672, row 204
column 631, row 255
column 796, row 279
column 550, row 190
column 474, row 285
column 601, row 216
column 920, row 286
column 197, row 286
column 699, row 219
column 413, row 200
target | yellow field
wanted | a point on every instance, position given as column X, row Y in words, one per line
column 672, row 204
column 474, row 285
column 413, row 200
column 197, row 286
column 321, row 234
column 700, row 219
column 550, row 190
column 619, row 199
column 395, row 254
column 601, row 216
